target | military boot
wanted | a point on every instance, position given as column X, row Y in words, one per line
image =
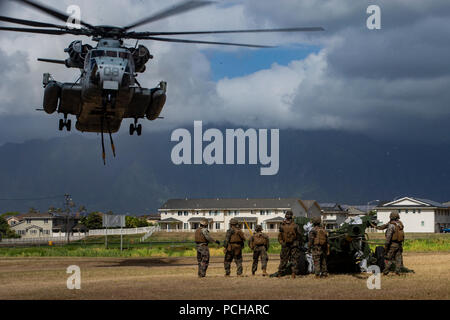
column 264, row 273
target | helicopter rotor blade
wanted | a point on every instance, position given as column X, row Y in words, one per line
column 297, row 29
column 52, row 12
column 204, row 42
column 44, row 31
column 171, row 11
column 30, row 23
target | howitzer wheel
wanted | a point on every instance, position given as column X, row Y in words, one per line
column 379, row 255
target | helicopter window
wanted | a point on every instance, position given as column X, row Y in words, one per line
column 112, row 54
column 124, row 55
column 97, row 53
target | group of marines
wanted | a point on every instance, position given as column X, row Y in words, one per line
column 290, row 237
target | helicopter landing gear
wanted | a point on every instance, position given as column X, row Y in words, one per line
column 135, row 127
column 65, row 123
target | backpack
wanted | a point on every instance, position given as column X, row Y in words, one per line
column 399, row 234
column 259, row 239
column 289, row 234
column 199, row 237
column 321, row 237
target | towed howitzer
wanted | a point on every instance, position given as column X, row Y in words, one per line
column 349, row 250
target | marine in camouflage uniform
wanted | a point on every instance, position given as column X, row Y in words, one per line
column 318, row 247
column 393, row 246
column 290, row 237
column 259, row 243
column 202, row 239
column 234, row 242
column 384, row 227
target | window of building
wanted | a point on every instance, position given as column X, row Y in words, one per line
column 185, row 226
column 217, row 225
column 186, row 213
column 419, row 210
column 45, row 220
column 216, row 213
column 414, row 210
column 180, row 213
column 236, row 212
column 28, row 220
column 422, row 223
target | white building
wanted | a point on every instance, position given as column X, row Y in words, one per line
column 417, row 215
column 186, row 214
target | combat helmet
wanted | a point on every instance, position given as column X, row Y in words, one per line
column 204, row 222
column 316, row 221
column 258, row 228
column 394, row 215
column 233, row 222
column 289, row 214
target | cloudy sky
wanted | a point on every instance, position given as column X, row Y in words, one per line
column 392, row 83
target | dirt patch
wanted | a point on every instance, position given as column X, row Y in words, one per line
column 176, row 278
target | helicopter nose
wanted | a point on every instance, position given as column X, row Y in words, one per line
column 111, row 77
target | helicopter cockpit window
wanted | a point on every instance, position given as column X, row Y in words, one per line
column 97, row 53
column 124, row 55
column 112, row 54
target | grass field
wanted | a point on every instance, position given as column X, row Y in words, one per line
column 176, row 244
column 175, row 278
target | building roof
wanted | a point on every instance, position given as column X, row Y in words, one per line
column 276, row 219
column 230, row 203
column 171, row 220
column 361, row 207
column 331, row 207
column 427, row 203
column 37, row 215
column 199, row 219
column 309, row 203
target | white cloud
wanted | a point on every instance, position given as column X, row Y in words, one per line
column 378, row 83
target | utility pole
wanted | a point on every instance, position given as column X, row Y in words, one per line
column 68, row 204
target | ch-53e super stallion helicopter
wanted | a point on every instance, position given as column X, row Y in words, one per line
column 107, row 90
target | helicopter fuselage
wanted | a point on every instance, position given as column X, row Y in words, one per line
column 107, row 92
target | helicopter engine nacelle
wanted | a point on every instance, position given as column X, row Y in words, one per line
column 77, row 52
column 157, row 102
column 52, row 94
column 141, row 55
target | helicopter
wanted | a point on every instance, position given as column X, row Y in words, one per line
column 107, row 90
